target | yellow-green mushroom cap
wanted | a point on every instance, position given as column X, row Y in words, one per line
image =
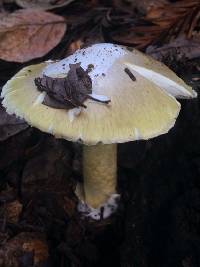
column 141, row 107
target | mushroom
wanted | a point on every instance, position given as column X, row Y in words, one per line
column 142, row 92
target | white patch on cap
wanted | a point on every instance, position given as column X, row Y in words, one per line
column 100, row 56
column 40, row 98
column 50, row 129
column 167, row 84
column 103, row 212
column 137, row 134
column 21, row 76
column 72, row 113
column 100, row 97
column 49, row 61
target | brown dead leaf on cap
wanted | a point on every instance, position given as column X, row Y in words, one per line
column 29, row 34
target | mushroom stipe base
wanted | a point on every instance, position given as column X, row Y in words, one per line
column 103, row 212
column 100, row 174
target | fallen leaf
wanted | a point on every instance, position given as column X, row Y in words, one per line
column 145, row 5
column 28, row 34
column 59, row 89
column 41, row 4
column 25, row 247
column 10, row 124
column 179, row 47
column 161, row 23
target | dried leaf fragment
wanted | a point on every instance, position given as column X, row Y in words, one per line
column 145, row 5
column 70, row 91
column 161, row 23
column 28, row 34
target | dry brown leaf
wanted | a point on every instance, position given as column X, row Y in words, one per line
column 145, row 5
column 25, row 246
column 41, row 4
column 179, row 48
column 39, row 247
column 162, row 22
column 28, row 34
column 168, row 14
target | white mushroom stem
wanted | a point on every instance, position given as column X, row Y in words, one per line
column 100, row 172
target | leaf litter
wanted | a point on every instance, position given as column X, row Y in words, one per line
column 28, row 34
